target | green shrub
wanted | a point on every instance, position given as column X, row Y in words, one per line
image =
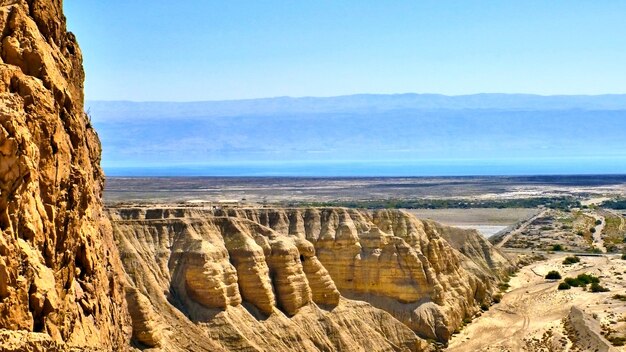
column 553, row 275
column 598, row 222
column 564, row 286
column 484, row 307
column 581, row 280
column 588, row 279
column 596, row 287
column 624, row 256
column 571, row 260
column 557, row 248
column 592, row 230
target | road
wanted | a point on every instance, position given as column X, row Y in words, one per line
column 598, row 242
column 520, row 229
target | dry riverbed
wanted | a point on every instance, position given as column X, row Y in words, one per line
column 534, row 316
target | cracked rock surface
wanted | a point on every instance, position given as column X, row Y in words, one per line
column 60, row 275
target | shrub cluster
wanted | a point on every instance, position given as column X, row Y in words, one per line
column 596, row 287
column 620, row 297
column 564, row 286
column 571, row 260
column 553, row 275
column 557, row 248
column 582, row 280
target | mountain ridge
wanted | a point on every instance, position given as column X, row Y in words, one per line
column 358, row 102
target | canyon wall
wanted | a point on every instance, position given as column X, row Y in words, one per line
column 236, row 275
column 195, row 279
column 60, row 275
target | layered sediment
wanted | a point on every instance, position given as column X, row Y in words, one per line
column 195, row 279
column 293, row 266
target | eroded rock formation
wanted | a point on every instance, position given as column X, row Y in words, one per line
column 60, row 276
column 292, row 265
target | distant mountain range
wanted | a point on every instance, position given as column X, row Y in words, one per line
column 359, row 103
column 414, row 129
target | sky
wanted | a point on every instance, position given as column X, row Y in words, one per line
column 220, row 50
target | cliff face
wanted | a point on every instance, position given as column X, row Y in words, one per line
column 264, row 268
column 60, row 276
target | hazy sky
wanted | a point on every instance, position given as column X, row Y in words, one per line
column 211, row 50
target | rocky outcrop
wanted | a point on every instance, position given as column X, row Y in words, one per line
column 290, row 261
column 60, row 276
column 586, row 332
column 250, row 288
column 480, row 256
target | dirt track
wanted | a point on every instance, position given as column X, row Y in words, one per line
column 531, row 315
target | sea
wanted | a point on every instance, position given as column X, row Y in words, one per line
column 430, row 168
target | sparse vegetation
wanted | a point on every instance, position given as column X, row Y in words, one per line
column 619, row 204
column 581, row 280
column 619, row 297
column 564, row 286
column 553, row 275
column 596, row 287
column 617, row 340
column 571, row 260
column 563, row 203
column 557, row 248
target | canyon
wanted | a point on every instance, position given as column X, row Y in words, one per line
column 306, row 279
column 185, row 279
column 185, row 275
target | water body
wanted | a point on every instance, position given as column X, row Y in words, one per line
column 485, row 230
column 447, row 167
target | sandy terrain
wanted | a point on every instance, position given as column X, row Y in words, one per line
column 570, row 229
column 285, row 189
column 532, row 314
column 598, row 242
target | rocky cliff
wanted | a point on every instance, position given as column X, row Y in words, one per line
column 319, row 279
column 60, row 276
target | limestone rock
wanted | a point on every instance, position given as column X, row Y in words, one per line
column 292, row 287
column 280, row 281
column 424, row 275
column 147, row 325
column 60, row 276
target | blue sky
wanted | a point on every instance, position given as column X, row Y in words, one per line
column 213, row 50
